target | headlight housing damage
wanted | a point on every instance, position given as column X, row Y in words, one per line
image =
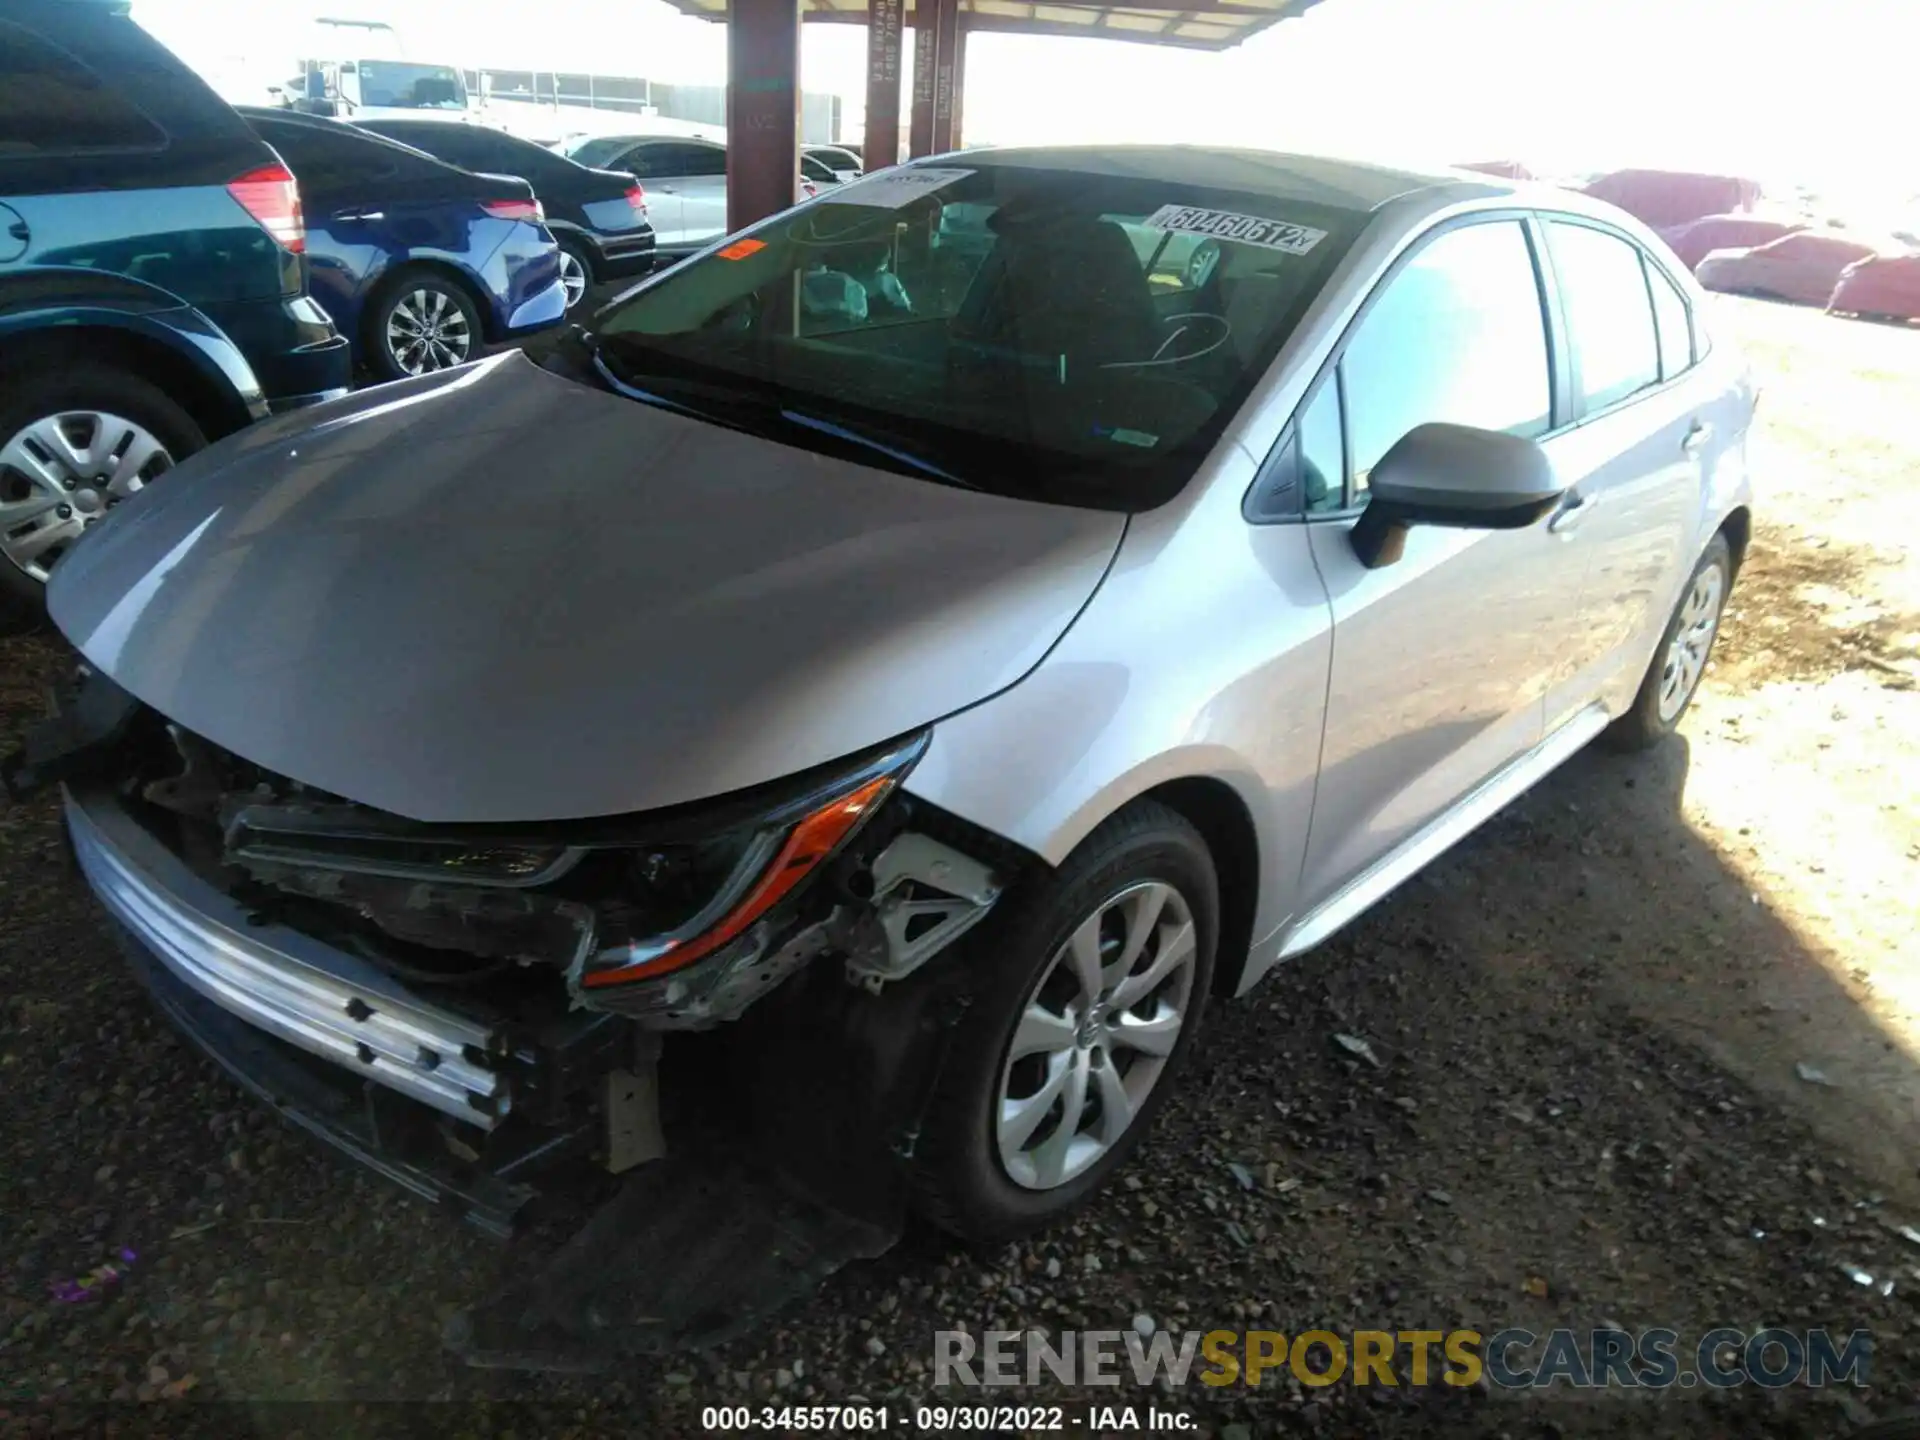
column 651, row 915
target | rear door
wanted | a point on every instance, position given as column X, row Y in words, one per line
column 356, row 208
column 1440, row 660
column 1636, row 456
column 656, row 165
column 702, row 187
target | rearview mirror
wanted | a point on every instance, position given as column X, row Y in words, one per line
column 1452, row 475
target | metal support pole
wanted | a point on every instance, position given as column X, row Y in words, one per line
column 946, row 71
column 886, row 23
column 925, row 48
column 763, row 109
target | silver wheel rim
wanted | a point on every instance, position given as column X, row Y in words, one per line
column 427, row 331
column 60, row 474
column 573, row 275
column 1094, row 1035
column 1686, row 657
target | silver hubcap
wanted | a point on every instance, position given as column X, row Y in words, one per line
column 1094, row 1035
column 1686, row 656
column 61, row 474
column 573, row 275
column 427, row 331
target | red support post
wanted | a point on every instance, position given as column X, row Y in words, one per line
column 946, row 71
column 763, row 109
column 954, row 142
column 886, row 25
column 925, row 51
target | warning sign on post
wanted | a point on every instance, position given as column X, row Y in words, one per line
column 1245, row 229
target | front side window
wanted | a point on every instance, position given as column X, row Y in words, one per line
column 1052, row 334
column 1459, row 336
column 51, row 104
column 1603, row 290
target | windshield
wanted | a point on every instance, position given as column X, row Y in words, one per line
column 1048, row 333
column 397, row 85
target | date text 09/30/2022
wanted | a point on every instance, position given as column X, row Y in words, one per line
column 946, row 1419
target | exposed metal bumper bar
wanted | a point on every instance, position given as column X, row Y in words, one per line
column 290, row 985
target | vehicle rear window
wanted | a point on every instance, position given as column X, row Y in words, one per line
column 325, row 158
column 1076, row 337
column 1603, row 289
column 1676, row 331
column 51, row 104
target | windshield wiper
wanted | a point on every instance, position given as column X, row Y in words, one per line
column 853, row 437
column 745, row 407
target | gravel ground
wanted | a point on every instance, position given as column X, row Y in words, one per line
column 1574, row 1119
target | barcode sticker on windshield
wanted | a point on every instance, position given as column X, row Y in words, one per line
column 896, row 189
column 1246, row 229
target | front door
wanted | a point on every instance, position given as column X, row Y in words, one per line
column 1441, row 659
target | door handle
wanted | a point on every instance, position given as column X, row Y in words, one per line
column 1572, row 513
column 18, row 230
column 1698, row 434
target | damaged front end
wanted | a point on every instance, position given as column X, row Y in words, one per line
column 515, row 1020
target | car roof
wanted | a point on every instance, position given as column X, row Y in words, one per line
column 1350, row 184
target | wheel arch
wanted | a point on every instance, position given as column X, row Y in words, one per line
column 1738, row 528
column 175, row 370
column 1217, row 811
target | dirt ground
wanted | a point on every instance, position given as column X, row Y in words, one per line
column 1594, row 1024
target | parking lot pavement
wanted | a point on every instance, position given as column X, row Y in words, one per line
column 1588, row 1106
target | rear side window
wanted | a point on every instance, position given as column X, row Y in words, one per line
column 51, row 104
column 323, row 159
column 1670, row 317
column 1458, row 335
column 1603, row 289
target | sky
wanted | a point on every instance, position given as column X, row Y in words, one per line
column 1789, row 91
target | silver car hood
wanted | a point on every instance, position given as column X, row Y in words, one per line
column 500, row 595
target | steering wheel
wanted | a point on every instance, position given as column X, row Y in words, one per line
column 1189, row 336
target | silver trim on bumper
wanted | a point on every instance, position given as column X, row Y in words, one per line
column 290, row 985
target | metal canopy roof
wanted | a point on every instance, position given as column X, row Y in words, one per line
column 1193, row 24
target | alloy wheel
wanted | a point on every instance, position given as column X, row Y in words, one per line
column 427, row 331
column 1095, row 1034
column 61, row 473
column 573, row 277
column 1686, row 657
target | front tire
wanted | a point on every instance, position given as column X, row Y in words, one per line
column 74, row 442
column 1088, row 996
column 423, row 322
column 1681, row 658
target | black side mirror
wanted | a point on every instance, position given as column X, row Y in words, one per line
column 1452, row 475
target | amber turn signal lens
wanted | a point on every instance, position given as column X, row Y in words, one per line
column 811, row 841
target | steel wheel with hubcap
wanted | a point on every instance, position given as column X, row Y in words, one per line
column 1095, row 1035
column 77, row 439
column 1085, row 993
column 1681, row 659
column 426, row 325
column 1687, row 651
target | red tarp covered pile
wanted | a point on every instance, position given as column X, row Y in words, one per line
column 1693, row 241
column 1671, row 197
column 1803, row 267
column 1881, row 285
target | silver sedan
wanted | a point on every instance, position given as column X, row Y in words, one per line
column 937, row 641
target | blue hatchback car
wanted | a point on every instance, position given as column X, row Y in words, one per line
column 420, row 263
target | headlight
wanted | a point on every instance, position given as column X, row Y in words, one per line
column 743, row 875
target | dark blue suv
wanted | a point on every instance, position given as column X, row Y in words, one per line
column 153, row 294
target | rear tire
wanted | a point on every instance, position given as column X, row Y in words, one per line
column 576, row 271
column 1146, row 876
column 1680, row 660
column 110, row 419
column 423, row 322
